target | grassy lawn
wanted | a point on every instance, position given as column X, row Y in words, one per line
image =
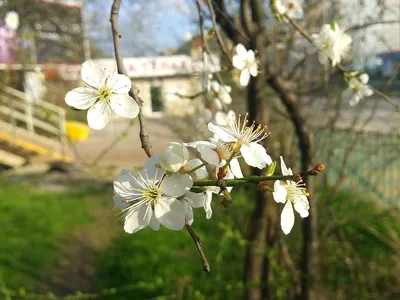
column 32, row 227
column 76, row 238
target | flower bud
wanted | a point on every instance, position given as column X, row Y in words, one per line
column 222, row 172
column 174, row 157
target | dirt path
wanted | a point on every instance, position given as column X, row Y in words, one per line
column 127, row 152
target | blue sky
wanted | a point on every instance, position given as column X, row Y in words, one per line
column 146, row 28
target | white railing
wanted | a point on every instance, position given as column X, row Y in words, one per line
column 38, row 117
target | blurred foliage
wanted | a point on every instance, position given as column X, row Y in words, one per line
column 359, row 245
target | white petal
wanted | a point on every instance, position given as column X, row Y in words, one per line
column 302, row 208
column 170, row 161
column 244, row 77
column 238, row 62
column 253, row 69
column 208, row 154
column 223, row 133
column 151, row 171
column 241, row 51
column 125, row 185
column 279, row 192
column 215, row 86
column 170, row 212
column 119, row 83
column 81, row 98
column 138, row 218
column 255, row 155
column 224, row 95
column 99, row 115
column 119, row 202
column 221, row 118
column 154, row 223
column 198, row 143
column 93, row 74
column 124, row 106
column 235, row 168
column 176, row 185
column 363, row 78
column 207, row 205
column 251, row 57
column 195, row 200
column 366, row 91
column 355, row 99
column 287, row 218
column 285, row 170
column 188, row 212
column 194, row 163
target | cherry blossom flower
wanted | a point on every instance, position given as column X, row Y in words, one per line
column 174, row 157
column 102, row 94
column 293, row 194
column 220, row 94
column 12, row 20
column 149, row 198
column 216, row 151
column 292, row 8
column 244, row 139
column 199, row 173
column 358, row 89
column 332, row 43
column 245, row 61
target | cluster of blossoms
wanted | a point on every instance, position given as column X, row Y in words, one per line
column 164, row 191
column 332, row 44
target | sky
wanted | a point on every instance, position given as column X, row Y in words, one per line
column 147, row 27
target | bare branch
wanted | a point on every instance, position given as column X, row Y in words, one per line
column 197, row 242
column 134, row 92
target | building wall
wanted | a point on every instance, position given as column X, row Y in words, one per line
column 173, row 105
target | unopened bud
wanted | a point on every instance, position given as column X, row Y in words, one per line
column 222, row 172
column 226, row 200
column 298, row 178
column 320, row 167
column 264, row 187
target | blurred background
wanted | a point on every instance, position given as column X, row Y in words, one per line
column 60, row 235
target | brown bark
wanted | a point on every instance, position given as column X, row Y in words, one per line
column 309, row 260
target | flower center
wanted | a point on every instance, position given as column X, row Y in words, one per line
column 290, row 5
column 104, row 93
column 295, row 191
column 152, row 193
column 224, row 151
column 247, row 134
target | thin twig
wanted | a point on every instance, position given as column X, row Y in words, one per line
column 134, row 92
column 197, row 242
column 217, row 32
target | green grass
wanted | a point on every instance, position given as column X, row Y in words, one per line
column 32, row 226
column 358, row 257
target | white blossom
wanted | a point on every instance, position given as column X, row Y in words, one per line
column 192, row 200
column 149, row 198
column 102, row 94
column 12, row 20
column 292, row 8
column 174, row 157
column 244, row 139
column 199, row 173
column 216, row 151
column 293, row 194
column 332, row 43
column 358, row 89
column 220, row 94
column 222, row 118
column 245, row 61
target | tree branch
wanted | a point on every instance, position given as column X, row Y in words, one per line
column 134, row 92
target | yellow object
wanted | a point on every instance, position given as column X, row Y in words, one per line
column 77, row 131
